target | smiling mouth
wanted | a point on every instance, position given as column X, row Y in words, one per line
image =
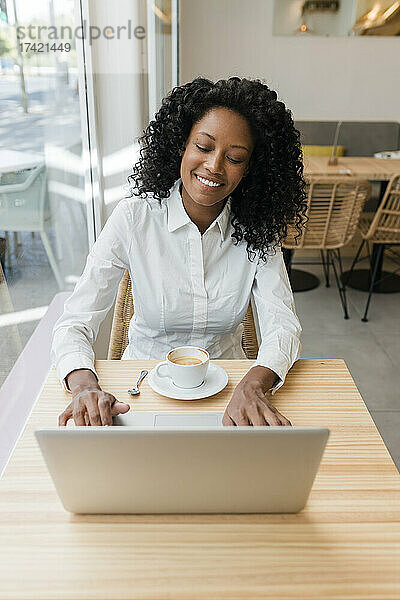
column 207, row 183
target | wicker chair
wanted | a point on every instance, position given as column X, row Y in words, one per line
column 334, row 209
column 123, row 312
column 384, row 230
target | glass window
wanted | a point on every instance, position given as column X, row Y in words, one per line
column 43, row 211
column 163, row 18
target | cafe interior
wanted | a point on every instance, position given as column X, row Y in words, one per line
column 69, row 126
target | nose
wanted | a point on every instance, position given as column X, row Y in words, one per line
column 214, row 162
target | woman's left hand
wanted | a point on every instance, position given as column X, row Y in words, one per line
column 251, row 401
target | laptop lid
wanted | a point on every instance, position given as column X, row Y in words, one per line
column 192, row 469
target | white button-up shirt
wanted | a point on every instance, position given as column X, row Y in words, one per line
column 188, row 289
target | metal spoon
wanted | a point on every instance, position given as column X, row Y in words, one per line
column 135, row 391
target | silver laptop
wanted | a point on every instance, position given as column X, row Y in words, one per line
column 155, row 462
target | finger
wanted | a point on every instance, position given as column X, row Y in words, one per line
column 64, row 418
column 279, row 418
column 105, row 410
column 94, row 416
column 119, row 407
column 240, row 419
column 256, row 416
column 78, row 413
column 66, row 415
column 87, row 422
column 271, row 418
column 227, row 421
column 91, row 401
column 285, row 422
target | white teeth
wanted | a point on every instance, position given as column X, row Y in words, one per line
column 208, row 182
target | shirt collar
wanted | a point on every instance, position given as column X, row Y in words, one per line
column 177, row 215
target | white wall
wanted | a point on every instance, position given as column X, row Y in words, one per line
column 319, row 78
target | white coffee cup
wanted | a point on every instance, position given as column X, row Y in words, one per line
column 186, row 366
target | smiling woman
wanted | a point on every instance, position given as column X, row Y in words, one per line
column 257, row 150
column 218, row 180
column 212, row 166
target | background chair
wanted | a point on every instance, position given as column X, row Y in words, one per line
column 123, row 312
column 24, row 207
column 334, row 206
column 6, row 306
column 383, row 230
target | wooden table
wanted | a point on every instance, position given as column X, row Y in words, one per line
column 374, row 169
column 344, row 545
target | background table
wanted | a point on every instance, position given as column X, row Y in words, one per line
column 374, row 169
column 15, row 160
column 345, row 544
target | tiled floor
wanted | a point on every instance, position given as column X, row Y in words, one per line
column 371, row 350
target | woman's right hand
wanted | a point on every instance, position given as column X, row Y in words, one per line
column 90, row 404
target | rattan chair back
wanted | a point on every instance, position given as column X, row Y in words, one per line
column 124, row 310
column 385, row 226
column 334, row 206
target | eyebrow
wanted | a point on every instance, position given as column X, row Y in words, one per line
column 232, row 145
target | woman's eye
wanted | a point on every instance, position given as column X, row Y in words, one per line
column 236, row 162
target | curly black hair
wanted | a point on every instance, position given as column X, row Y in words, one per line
column 271, row 196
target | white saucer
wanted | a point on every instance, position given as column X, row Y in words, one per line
column 215, row 381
